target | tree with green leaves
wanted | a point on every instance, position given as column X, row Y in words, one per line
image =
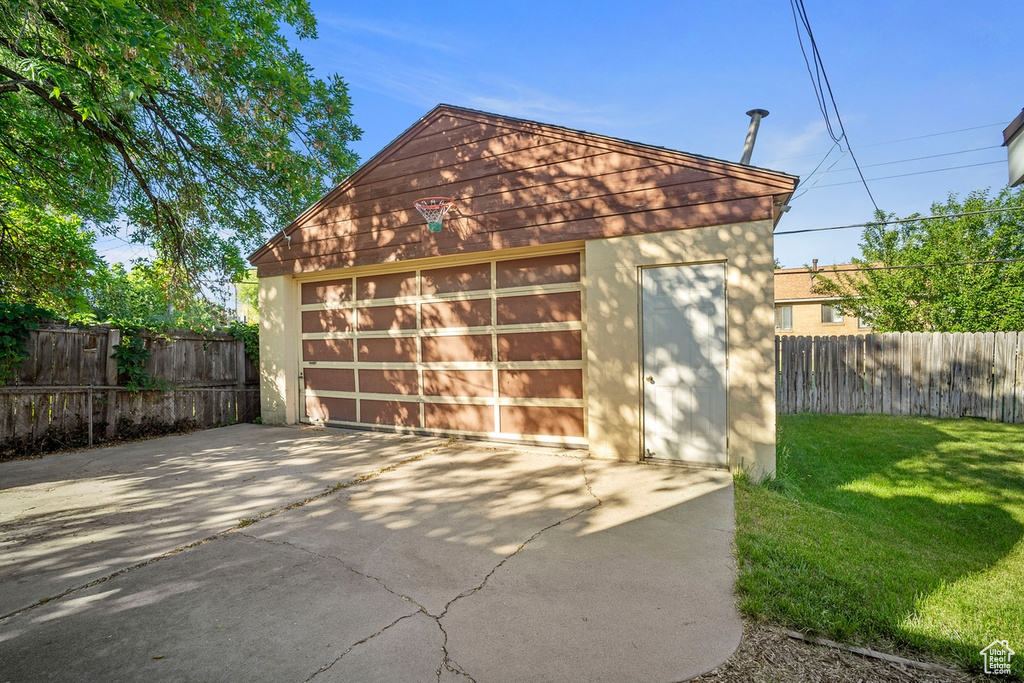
column 49, row 261
column 959, row 274
column 191, row 123
column 144, row 297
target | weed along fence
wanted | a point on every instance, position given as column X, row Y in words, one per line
column 978, row 374
column 67, row 391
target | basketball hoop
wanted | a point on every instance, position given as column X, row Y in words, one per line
column 434, row 209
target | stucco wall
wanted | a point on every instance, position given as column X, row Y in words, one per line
column 613, row 338
column 279, row 348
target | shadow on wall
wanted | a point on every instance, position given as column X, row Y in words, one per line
column 615, row 339
column 511, row 189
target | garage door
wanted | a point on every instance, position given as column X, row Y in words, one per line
column 492, row 349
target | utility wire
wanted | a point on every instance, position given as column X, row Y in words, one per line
column 901, row 220
column 930, row 156
column 892, row 142
column 933, row 135
column 825, row 269
column 819, row 76
column 804, row 181
column 823, row 159
column 907, row 175
column 818, row 179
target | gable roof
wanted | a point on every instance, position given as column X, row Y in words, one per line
column 515, row 183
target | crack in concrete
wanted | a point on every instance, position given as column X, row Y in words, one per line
column 242, row 524
column 344, row 564
column 447, row 662
column 466, row 594
column 357, row 644
column 81, row 467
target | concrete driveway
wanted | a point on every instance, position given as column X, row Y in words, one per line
column 361, row 557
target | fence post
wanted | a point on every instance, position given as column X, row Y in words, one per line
column 89, row 410
column 110, row 378
column 240, row 397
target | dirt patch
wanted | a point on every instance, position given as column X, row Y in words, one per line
column 53, row 442
column 767, row 655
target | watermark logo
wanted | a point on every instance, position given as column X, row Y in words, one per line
column 998, row 656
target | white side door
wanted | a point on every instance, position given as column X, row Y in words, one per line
column 684, row 364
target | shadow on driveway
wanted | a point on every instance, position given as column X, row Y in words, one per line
column 460, row 562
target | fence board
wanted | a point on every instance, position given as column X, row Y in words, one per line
column 68, row 356
column 51, row 389
column 938, row 374
column 906, row 373
column 887, row 373
column 857, row 376
column 1015, row 395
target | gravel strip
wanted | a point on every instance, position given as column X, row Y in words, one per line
column 767, row 655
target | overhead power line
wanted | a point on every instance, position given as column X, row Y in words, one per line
column 807, row 178
column 818, row 179
column 893, row 142
column 907, row 175
column 935, row 135
column 825, row 269
column 818, row 77
column 901, row 220
column 930, row 156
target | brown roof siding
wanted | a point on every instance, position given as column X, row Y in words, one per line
column 515, row 183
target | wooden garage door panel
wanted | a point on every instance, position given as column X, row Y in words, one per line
column 387, row 350
column 331, row 292
column 386, row 318
column 456, row 279
column 528, row 346
column 469, row 348
column 397, row 413
column 327, row 349
column 330, row 320
column 471, row 313
column 539, row 270
column 541, row 383
column 329, row 379
column 472, row 418
column 459, row 383
column 553, row 421
column 386, row 286
column 540, row 308
column 325, row 408
column 388, row 382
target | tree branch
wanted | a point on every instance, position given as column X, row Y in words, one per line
column 13, row 86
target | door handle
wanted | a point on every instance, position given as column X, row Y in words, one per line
column 649, row 379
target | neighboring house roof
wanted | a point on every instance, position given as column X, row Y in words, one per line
column 794, row 284
column 515, row 183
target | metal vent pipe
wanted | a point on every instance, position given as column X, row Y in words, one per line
column 755, row 121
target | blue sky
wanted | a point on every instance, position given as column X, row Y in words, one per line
column 683, row 74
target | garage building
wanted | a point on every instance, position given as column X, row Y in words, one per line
column 584, row 291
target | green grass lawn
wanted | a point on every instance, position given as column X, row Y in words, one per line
column 905, row 534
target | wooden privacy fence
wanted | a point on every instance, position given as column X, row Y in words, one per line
column 970, row 374
column 66, row 390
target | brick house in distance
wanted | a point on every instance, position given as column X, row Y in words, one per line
column 800, row 311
